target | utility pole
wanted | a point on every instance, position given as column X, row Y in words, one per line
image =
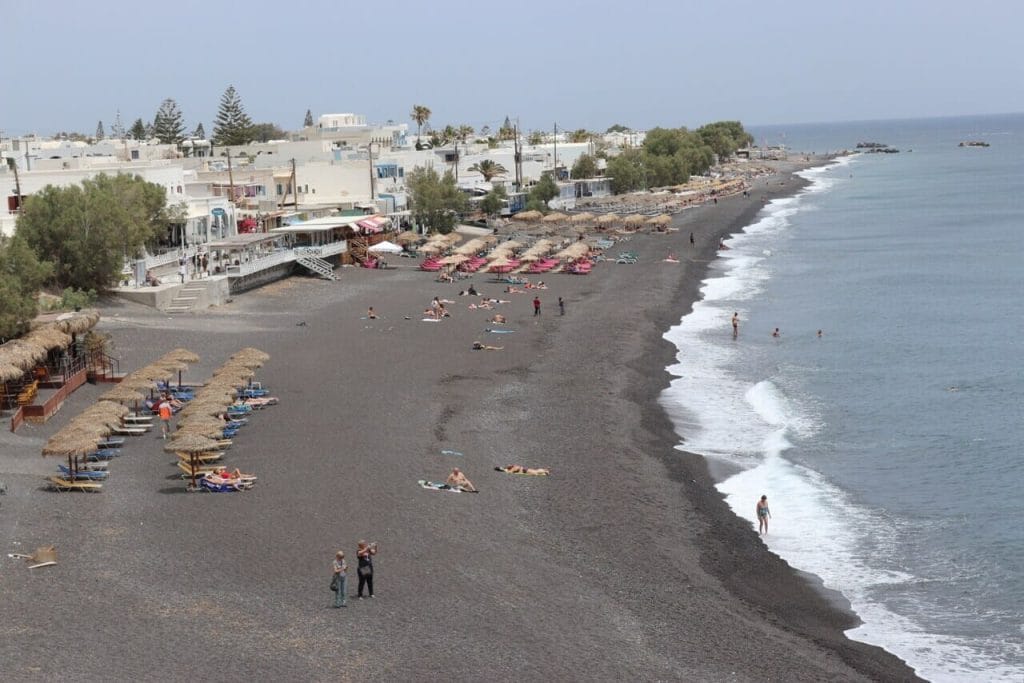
column 231, row 179
column 518, row 156
column 295, row 187
column 12, row 162
column 373, row 174
column 555, row 140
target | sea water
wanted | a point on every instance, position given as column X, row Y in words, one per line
column 891, row 447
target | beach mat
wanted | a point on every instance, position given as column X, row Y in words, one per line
column 493, row 331
column 448, row 451
column 440, row 486
column 521, row 474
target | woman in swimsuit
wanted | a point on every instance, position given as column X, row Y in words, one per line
column 519, row 469
column 763, row 515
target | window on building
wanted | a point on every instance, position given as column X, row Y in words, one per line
column 280, row 189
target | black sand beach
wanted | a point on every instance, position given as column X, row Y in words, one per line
column 625, row 563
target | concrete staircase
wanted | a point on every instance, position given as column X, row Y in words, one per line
column 188, row 298
column 318, row 266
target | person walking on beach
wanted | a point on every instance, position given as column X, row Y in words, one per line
column 692, row 243
column 776, row 333
column 735, row 325
column 763, row 515
column 536, row 305
column 364, row 554
column 561, row 306
column 165, row 417
column 340, row 581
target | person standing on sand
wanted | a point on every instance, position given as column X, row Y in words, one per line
column 735, row 324
column 763, row 515
column 364, row 554
column 692, row 243
column 561, row 306
column 775, row 332
column 165, row 417
column 536, row 305
column 340, row 567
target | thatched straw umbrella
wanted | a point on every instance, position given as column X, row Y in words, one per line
column 584, row 217
column 79, row 321
column 528, row 216
column 9, row 372
column 122, row 394
column 634, row 219
column 192, row 445
column 49, row 337
column 661, row 219
column 181, row 356
column 454, row 259
column 210, row 430
column 554, row 217
column 408, row 237
column 608, row 219
column 70, row 444
column 250, row 353
column 510, row 244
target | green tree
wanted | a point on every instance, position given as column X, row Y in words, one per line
column 263, row 132
column 617, row 128
column 308, row 121
column 488, row 169
column 507, row 130
column 465, row 131
column 626, row 171
column 86, row 231
column 536, row 137
column 544, row 191
column 199, row 133
column 436, row 200
column 169, row 124
column 99, row 131
column 585, row 167
column 232, row 126
column 420, row 114
column 579, row 135
column 493, row 202
column 138, row 130
column 21, row 276
column 725, row 137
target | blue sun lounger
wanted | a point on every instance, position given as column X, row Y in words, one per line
column 92, row 475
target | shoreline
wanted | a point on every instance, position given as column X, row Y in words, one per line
column 625, row 563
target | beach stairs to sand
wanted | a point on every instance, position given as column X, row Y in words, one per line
column 191, row 296
column 318, row 266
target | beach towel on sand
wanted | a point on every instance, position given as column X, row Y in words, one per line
column 523, row 474
column 440, row 486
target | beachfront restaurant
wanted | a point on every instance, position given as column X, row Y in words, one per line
column 321, row 237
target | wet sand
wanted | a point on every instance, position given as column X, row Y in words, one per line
column 625, row 563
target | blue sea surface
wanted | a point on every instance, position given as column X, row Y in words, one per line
column 890, row 446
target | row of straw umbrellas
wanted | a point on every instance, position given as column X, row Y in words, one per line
column 84, row 432
column 20, row 356
column 585, row 218
column 200, row 425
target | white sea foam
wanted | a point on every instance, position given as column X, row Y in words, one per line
column 815, row 526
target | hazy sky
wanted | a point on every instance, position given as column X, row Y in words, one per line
column 584, row 64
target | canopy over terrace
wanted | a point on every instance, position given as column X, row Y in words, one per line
column 238, row 249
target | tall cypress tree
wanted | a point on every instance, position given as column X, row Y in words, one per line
column 169, row 124
column 138, row 130
column 199, row 133
column 232, row 126
column 99, row 131
column 309, row 119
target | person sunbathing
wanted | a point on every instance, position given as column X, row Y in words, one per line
column 371, row 314
column 223, row 473
column 513, row 290
column 498, row 319
column 519, row 469
column 477, row 346
column 458, row 480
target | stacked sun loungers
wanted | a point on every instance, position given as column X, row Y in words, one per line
column 431, row 264
column 472, row 265
column 581, row 267
column 543, row 266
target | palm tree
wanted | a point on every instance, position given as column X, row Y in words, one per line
column 465, row 132
column 420, row 114
column 488, row 169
